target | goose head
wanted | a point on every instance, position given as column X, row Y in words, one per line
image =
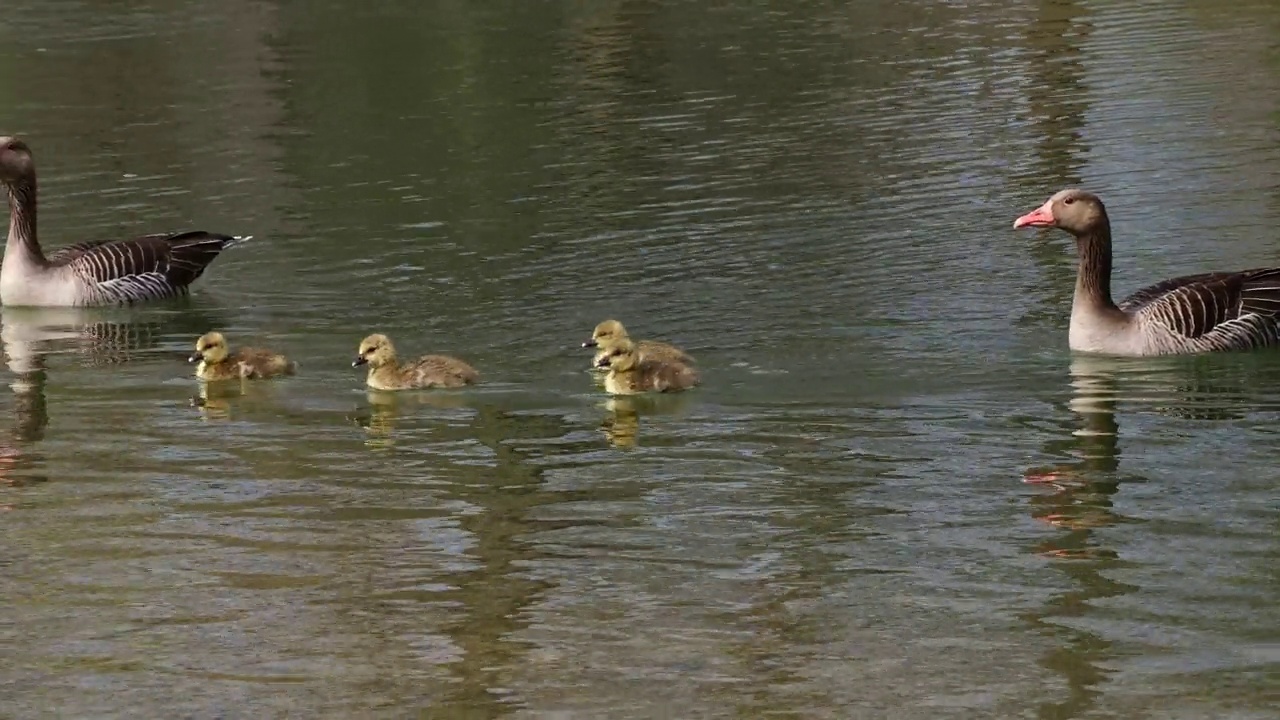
column 375, row 351
column 606, row 333
column 1079, row 212
column 16, row 163
column 621, row 357
column 211, row 348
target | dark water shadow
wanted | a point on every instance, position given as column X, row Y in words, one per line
column 1057, row 105
column 505, row 491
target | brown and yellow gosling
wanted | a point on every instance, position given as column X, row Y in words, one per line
column 629, row 373
column 610, row 332
column 218, row 363
column 428, row 371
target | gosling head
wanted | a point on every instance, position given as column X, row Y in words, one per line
column 15, row 161
column 1076, row 211
column 211, row 348
column 375, row 351
column 622, row 356
column 606, row 333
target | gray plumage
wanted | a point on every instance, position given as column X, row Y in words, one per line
column 1208, row 312
column 151, row 267
column 99, row 272
column 1211, row 311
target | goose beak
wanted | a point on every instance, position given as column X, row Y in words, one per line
column 358, row 361
column 195, row 357
column 1040, row 217
column 590, row 343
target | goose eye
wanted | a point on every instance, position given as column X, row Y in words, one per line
column 1068, row 201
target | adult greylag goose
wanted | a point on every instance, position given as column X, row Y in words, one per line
column 429, row 371
column 1210, row 312
column 97, row 272
column 630, row 374
column 217, row 362
column 611, row 332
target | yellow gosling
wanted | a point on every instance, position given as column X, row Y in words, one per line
column 217, row 362
column 428, row 371
column 629, row 374
column 610, row 332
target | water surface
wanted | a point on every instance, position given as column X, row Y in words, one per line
column 897, row 493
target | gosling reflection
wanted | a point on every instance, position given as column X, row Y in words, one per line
column 218, row 399
column 387, row 407
column 621, row 424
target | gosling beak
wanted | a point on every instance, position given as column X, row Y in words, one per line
column 195, row 357
column 590, row 343
column 603, row 362
column 358, row 361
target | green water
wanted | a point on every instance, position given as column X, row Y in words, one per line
column 896, row 495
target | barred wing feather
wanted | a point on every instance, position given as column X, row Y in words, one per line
column 146, row 268
column 1224, row 309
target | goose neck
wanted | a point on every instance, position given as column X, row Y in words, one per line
column 1093, row 278
column 22, row 220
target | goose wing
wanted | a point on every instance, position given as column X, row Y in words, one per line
column 63, row 255
column 143, row 268
column 1219, row 304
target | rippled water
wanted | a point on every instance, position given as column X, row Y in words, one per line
column 897, row 493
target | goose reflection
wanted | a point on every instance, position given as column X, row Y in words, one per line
column 29, row 335
column 1083, row 486
column 92, row 336
column 1081, row 490
column 1079, row 504
column 18, row 462
column 1197, row 388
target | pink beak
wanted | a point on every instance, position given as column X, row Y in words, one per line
column 1040, row 217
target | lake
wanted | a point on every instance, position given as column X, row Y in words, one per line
column 897, row 493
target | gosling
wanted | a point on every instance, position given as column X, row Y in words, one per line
column 630, row 374
column 610, row 332
column 218, row 363
column 428, row 371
